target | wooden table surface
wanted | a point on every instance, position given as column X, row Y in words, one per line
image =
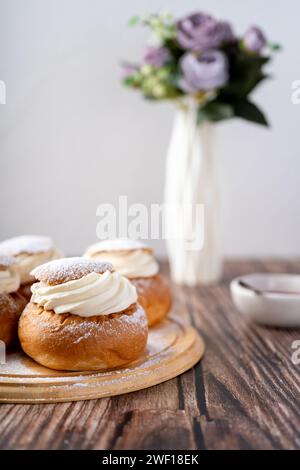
column 244, row 394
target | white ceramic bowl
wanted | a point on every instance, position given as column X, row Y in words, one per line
column 269, row 308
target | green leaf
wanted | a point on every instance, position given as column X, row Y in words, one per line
column 275, row 46
column 245, row 74
column 218, row 111
column 215, row 111
column 128, row 81
column 247, row 110
column 134, row 21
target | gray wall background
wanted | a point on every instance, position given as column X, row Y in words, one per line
column 72, row 137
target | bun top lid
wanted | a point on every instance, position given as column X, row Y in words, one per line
column 6, row 262
column 117, row 244
column 69, row 269
column 30, row 244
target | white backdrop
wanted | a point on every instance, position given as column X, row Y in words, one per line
column 72, row 137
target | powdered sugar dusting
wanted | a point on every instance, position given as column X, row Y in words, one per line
column 68, row 269
column 132, row 320
column 26, row 244
column 118, row 244
column 6, row 261
column 137, row 318
column 20, row 370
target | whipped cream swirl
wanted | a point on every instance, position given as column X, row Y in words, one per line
column 28, row 261
column 132, row 264
column 9, row 281
column 93, row 294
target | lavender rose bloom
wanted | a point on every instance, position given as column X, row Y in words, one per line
column 254, row 39
column 204, row 72
column 200, row 32
column 157, row 56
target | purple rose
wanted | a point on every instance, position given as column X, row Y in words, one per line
column 254, row 39
column 157, row 56
column 200, row 32
column 203, row 72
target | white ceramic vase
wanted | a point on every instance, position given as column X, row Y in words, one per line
column 192, row 179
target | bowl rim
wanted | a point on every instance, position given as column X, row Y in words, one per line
column 234, row 284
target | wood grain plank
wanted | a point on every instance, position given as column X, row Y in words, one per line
column 245, row 393
column 250, row 383
column 161, row 430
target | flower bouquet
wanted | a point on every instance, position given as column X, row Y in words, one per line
column 210, row 73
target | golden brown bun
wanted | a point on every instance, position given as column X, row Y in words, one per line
column 11, row 306
column 25, row 291
column 155, row 296
column 21, row 300
column 70, row 342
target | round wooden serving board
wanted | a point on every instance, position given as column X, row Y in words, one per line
column 172, row 349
